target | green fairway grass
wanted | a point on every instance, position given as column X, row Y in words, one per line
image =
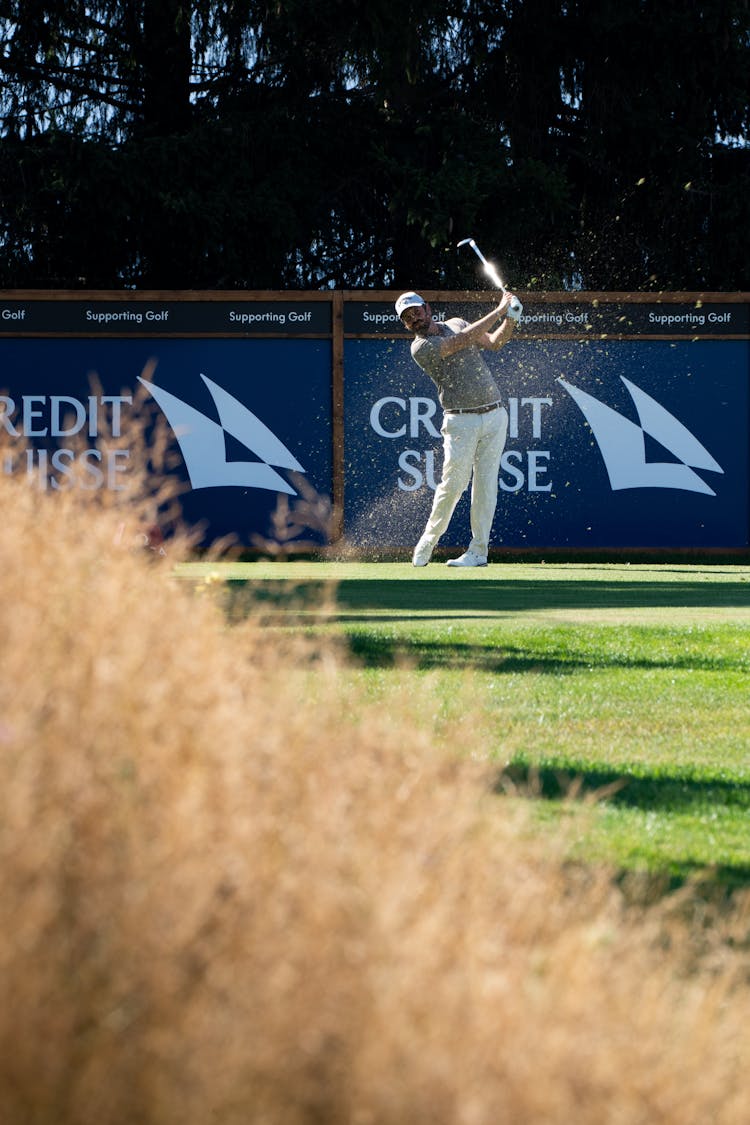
column 615, row 697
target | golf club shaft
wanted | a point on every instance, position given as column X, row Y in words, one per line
column 489, row 269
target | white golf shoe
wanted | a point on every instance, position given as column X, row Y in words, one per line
column 468, row 558
column 422, row 553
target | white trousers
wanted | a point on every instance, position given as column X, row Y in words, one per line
column 472, row 444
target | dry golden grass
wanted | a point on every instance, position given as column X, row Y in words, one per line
column 234, row 892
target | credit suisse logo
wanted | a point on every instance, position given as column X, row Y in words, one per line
column 203, row 447
column 622, row 443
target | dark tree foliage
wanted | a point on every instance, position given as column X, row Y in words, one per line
column 597, row 144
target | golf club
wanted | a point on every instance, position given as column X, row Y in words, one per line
column 489, row 269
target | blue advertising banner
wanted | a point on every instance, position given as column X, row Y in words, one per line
column 251, row 419
column 621, row 443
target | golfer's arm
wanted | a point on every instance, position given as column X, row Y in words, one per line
column 476, row 333
column 499, row 338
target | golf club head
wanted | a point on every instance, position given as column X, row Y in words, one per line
column 475, row 248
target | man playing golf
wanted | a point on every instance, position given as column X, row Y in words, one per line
column 475, row 423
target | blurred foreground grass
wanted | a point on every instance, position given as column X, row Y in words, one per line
column 252, row 877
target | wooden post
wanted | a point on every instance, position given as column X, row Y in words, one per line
column 337, row 413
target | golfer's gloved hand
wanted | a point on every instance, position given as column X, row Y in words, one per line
column 514, row 310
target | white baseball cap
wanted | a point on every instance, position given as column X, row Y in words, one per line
column 406, row 300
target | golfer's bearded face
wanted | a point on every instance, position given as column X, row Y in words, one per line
column 417, row 318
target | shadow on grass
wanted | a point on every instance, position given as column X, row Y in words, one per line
column 373, row 650
column 457, row 593
column 453, row 592
column 645, row 792
column 663, row 795
column 515, row 596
